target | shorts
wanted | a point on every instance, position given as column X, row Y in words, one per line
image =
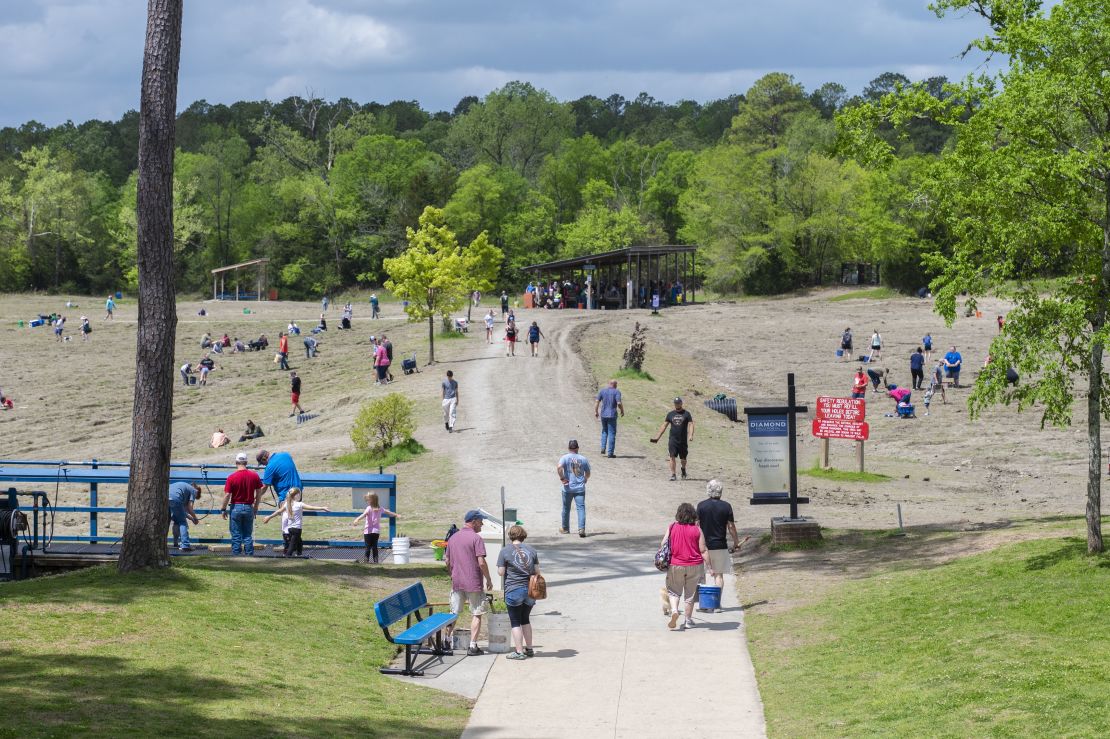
column 295, row 397
column 684, row 581
column 862, row 394
column 846, row 346
column 677, row 449
column 720, row 560
column 476, row 601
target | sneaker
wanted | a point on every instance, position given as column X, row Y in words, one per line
column 582, row 533
column 186, row 549
column 612, row 456
column 529, row 652
column 447, row 426
column 474, row 651
column 516, row 655
column 689, row 621
column 564, row 531
column 673, row 478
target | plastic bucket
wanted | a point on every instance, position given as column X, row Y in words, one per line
column 840, row 352
column 499, row 632
column 119, row 296
column 400, row 546
column 709, row 596
column 438, row 552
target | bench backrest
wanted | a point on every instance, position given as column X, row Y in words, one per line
column 392, row 609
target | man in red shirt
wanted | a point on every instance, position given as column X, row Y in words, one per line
column 242, row 493
column 283, row 350
column 466, row 561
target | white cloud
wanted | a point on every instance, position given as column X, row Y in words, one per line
column 309, row 35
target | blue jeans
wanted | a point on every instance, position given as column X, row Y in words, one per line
column 579, row 498
column 608, row 432
column 241, row 520
column 179, row 524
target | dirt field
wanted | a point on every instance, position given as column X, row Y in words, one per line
column 73, row 401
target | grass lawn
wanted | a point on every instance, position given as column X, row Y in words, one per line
column 212, row 647
column 1013, row 642
column 843, row 475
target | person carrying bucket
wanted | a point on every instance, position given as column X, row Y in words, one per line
column 716, row 520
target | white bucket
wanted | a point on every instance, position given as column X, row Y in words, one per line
column 400, row 547
column 500, row 632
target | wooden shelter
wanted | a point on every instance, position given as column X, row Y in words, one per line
column 219, row 281
column 624, row 278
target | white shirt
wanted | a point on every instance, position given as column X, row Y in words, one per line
column 294, row 522
column 489, row 321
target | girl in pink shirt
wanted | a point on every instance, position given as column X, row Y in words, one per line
column 372, row 529
column 689, row 556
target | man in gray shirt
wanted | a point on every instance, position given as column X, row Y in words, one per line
column 450, row 397
column 573, row 471
column 606, row 407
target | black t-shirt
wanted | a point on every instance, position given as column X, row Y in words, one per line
column 678, row 421
column 713, row 517
column 296, row 384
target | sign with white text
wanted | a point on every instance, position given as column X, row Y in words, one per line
column 828, row 428
column 841, row 409
column 769, row 444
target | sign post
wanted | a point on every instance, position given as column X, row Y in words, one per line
column 841, row 418
column 773, row 443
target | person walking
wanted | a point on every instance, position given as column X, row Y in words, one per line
column 927, row 345
column 242, row 494
column 605, row 409
column 504, row 302
column 283, row 351
column 59, row 326
column 281, row 473
column 876, row 347
column 687, row 567
column 292, row 521
column 489, row 326
column 182, row 495
column 574, row 472
column 465, row 559
column 374, row 307
column 449, row 396
column 534, row 335
column 109, row 309
column 295, row 394
column 510, row 337
column 389, row 357
column 681, row 424
column 516, row 563
column 937, row 382
column 953, row 362
column 846, row 345
column 324, row 304
column 381, row 363
column 86, row 328
column 917, row 368
column 716, row 520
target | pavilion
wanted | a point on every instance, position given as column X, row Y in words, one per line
column 617, row 276
column 219, row 276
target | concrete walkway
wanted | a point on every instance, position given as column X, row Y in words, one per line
column 607, row 666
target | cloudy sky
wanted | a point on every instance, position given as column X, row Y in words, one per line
column 81, row 59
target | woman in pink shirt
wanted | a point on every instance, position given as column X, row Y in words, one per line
column 688, row 562
column 381, row 361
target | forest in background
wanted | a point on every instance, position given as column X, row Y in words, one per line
column 325, row 190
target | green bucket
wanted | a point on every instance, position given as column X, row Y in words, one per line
column 438, row 552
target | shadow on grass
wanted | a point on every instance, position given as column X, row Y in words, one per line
column 1071, row 548
column 101, row 586
column 81, row 695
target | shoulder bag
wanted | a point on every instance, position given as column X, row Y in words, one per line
column 663, row 556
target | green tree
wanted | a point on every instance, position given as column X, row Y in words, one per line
column 383, row 422
column 603, row 225
column 434, row 275
column 1026, row 192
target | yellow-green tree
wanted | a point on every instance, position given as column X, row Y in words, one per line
column 434, row 275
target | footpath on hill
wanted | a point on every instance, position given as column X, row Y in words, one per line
column 606, row 663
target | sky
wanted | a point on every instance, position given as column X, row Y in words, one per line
column 80, row 59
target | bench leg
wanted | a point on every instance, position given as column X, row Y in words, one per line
column 410, row 660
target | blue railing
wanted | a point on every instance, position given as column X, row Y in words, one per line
column 95, row 473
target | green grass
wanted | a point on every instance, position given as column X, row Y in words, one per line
column 218, row 647
column 875, row 293
column 843, row 475
column 629, row 373
column 1008, row 643
column 402, row 452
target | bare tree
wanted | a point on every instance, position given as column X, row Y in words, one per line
column 144, row 531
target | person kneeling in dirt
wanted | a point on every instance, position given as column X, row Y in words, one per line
column 253, row 431
column 219, row 439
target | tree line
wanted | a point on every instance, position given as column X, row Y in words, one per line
column 326, row 190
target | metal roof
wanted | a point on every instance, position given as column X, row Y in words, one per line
column 241, row 265
column 617, row 256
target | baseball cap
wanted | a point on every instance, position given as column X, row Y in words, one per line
column 241, row 457
column 678, row 400
column 572, row 444
column 473, row 514
column 261, row 456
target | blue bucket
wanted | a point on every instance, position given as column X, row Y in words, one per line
column 840, row 352
column 119, row 295
column 709, row 596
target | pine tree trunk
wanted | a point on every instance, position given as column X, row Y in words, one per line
column 144, row 531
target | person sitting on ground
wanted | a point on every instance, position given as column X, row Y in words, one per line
column 219, row 439
column 259, row 344
column 218, row 347
column 323, row 325
column 225, row 340
column 253, row 431
column 293, row 329
column 206, row 341
column 237, row 347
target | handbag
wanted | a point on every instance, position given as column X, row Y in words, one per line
column 537, row 587
column 663, row 556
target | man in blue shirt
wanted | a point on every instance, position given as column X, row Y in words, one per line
column 952, row 362
column 606, row 407
column 280, row 473
column 182, row 495
column 573, row 471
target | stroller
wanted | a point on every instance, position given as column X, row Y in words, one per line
column 408, row 364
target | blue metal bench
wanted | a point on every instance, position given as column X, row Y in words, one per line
column 406, row 604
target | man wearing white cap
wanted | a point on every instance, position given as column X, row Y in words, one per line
column 242, row 493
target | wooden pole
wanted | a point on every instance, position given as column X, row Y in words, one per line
column 859, row 454
column 825, row 454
